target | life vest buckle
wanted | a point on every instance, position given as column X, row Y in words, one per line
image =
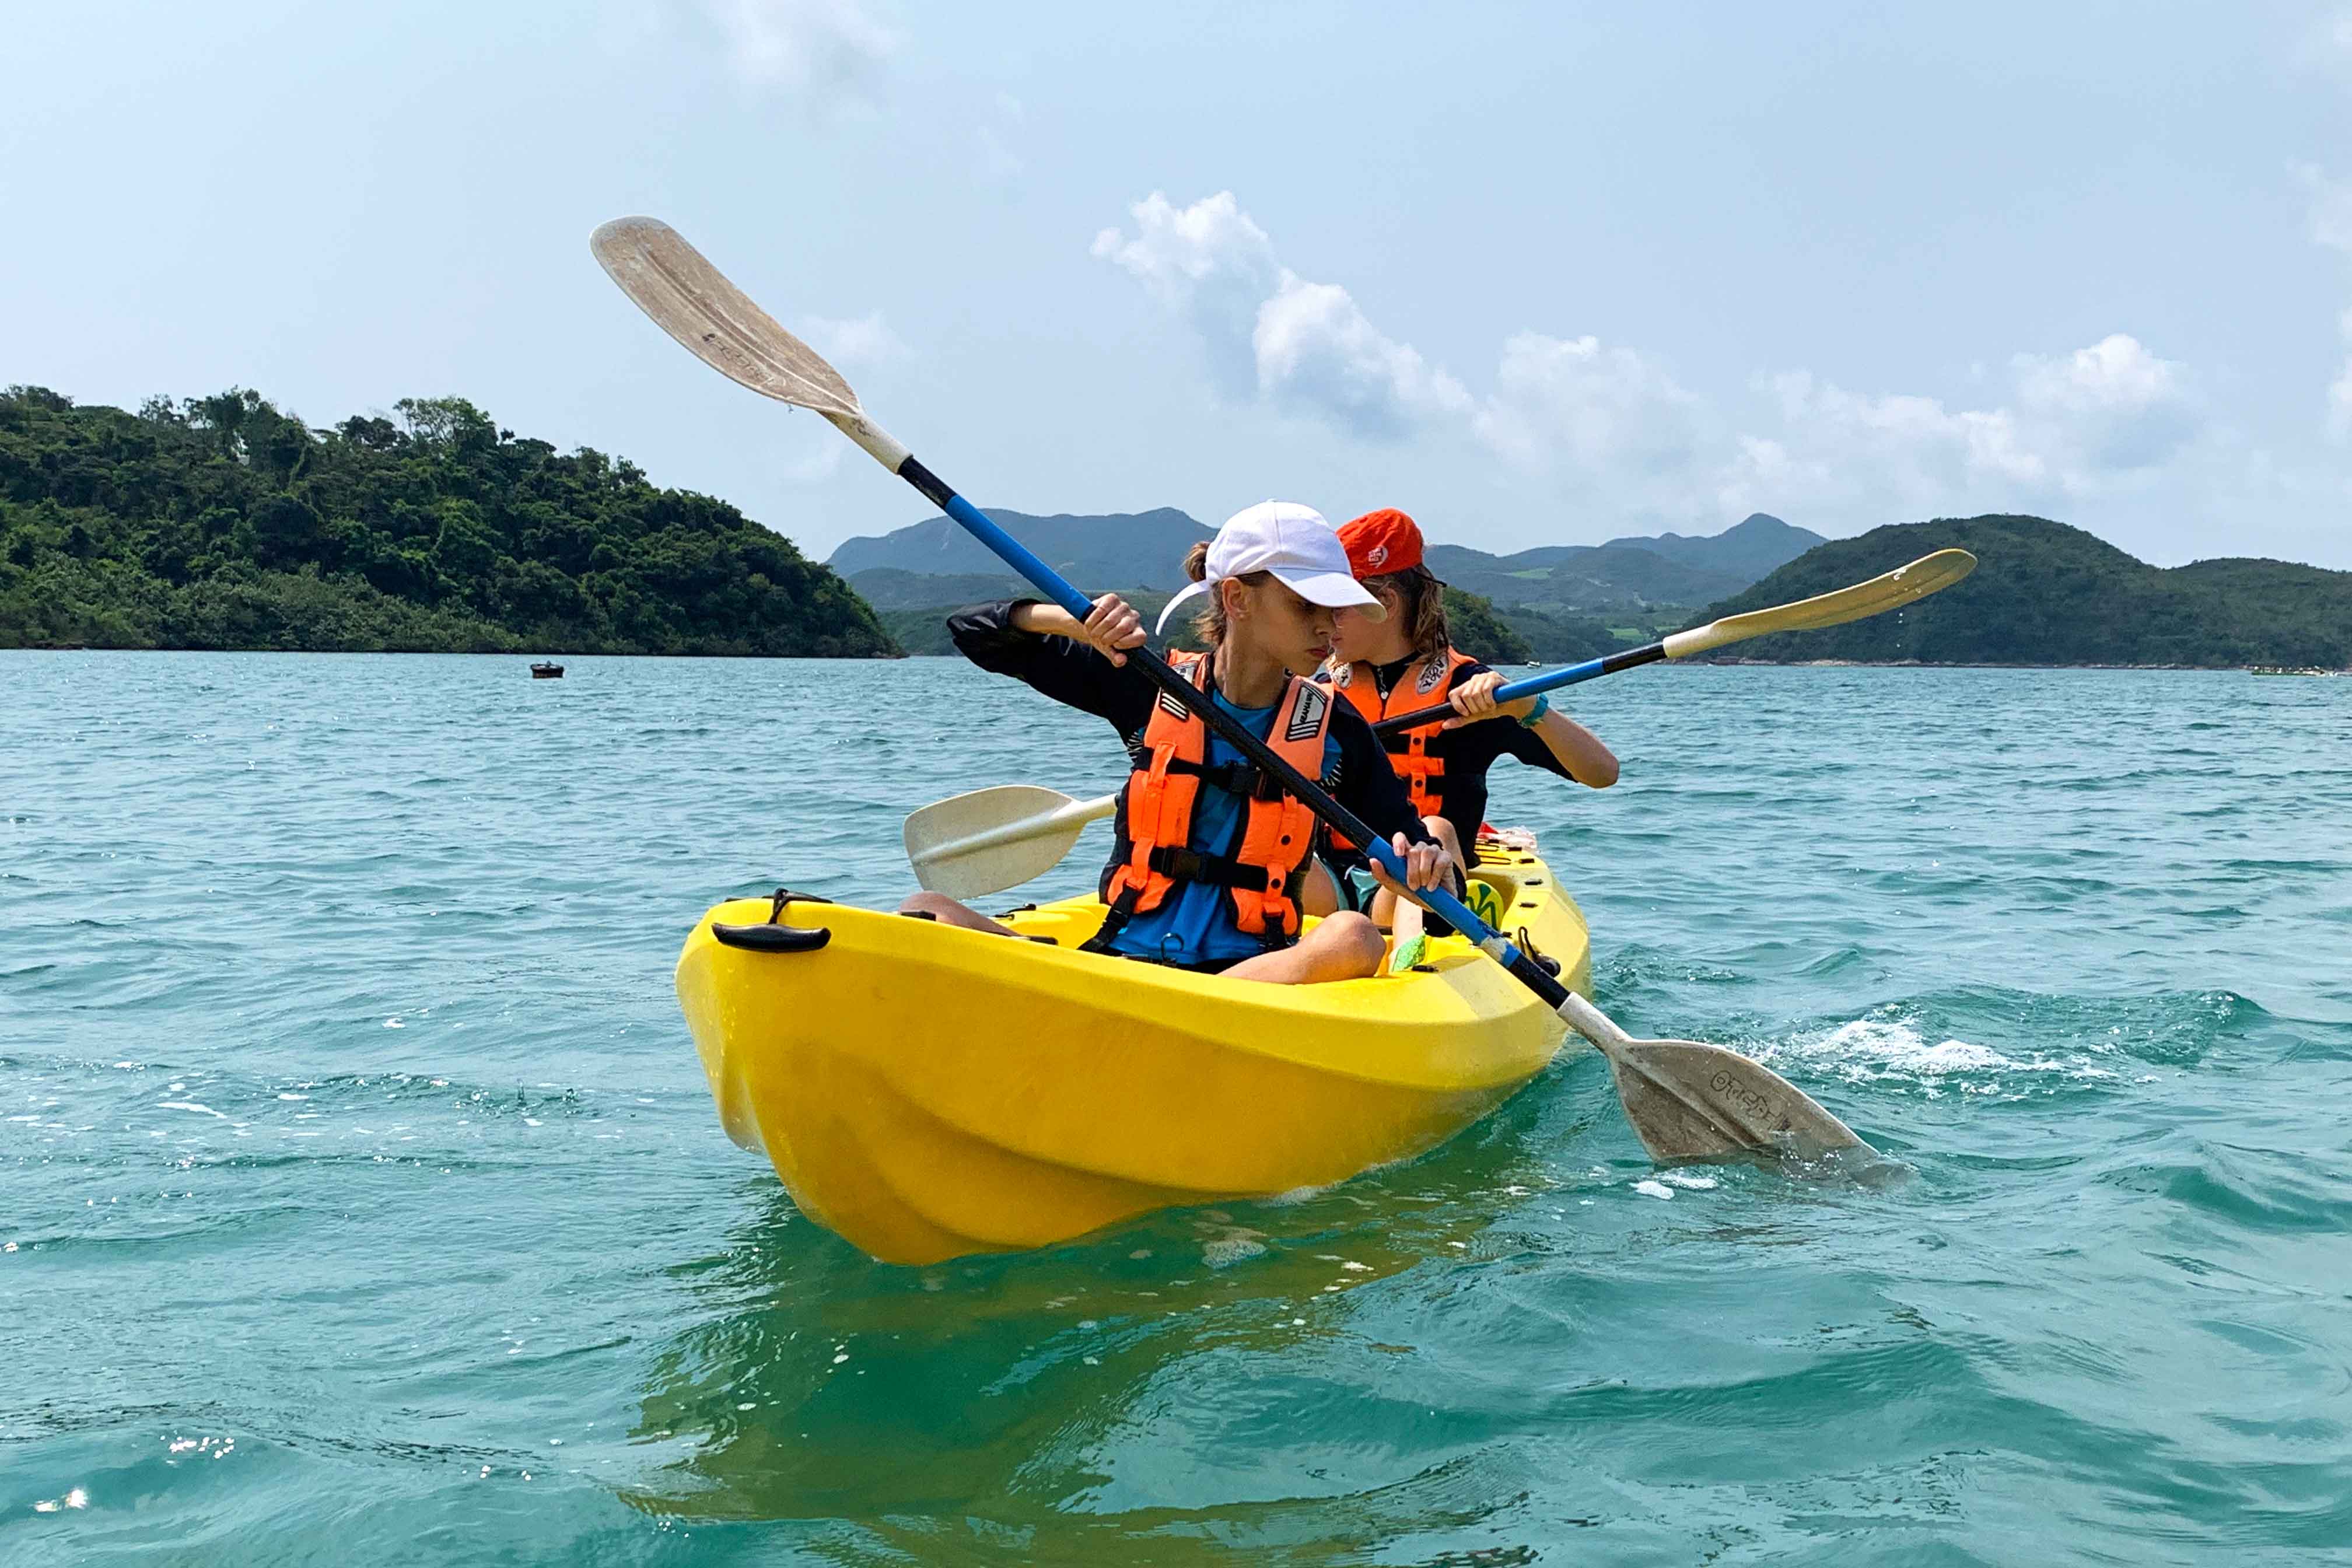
column 1187, row 865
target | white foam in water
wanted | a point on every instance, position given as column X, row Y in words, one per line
column 1227, row 1251
column 1892, row 1050
column 1649, row 1189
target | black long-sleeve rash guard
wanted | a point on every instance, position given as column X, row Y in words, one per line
column 1076, row 675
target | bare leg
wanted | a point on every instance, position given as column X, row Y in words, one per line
column 1384, row 901
column 1317, row 893
column 947, row 912
column 1344, row 946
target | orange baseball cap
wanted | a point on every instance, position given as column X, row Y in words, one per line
column 1380, row 542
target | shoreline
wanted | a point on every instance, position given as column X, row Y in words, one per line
column 471, row 653
column 900, row 657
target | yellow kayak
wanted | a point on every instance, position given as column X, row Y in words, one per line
column 928, row 1091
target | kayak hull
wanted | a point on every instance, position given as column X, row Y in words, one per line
column 928, row 1092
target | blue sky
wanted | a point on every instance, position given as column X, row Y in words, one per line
column 1539, row 274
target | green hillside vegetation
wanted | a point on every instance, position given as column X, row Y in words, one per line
column 221, row 523
column 2045, row 594
column 1575, row 579
column 1480, row 631
column 1560, row 637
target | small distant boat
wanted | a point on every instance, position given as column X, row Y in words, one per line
column 547, row 672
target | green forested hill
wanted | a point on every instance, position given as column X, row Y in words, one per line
column 2046, row 593
column 222, row 524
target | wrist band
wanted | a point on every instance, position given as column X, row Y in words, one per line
column 1536, row 713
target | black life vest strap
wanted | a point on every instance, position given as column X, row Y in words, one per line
column 1184, row 866
column 1115, row 919
column 1244, row 780
column 1192, row 865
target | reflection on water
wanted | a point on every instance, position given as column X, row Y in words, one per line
column 976, row 1403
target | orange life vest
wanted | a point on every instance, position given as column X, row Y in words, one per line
column 1424, row 685
column 1152, row 853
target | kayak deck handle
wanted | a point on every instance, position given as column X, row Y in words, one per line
column 772, row 935
column 766, row 938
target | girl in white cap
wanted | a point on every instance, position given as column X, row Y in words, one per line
column 1208, row 851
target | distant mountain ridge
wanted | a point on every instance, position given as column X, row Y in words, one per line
column 1116, row 550
column 936, row 563
column 2047, row 594
column 1757, row 543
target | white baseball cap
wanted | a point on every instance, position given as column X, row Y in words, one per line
column 1294, row 542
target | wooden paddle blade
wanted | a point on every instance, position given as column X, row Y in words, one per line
column 693, row 301
column 969, row 845
column 1930, row 574
column 1692, row 1101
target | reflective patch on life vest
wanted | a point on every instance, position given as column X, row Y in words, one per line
column 1307, row 717
column 1432, row 673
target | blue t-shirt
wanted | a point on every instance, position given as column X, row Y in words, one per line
column 1194, row 924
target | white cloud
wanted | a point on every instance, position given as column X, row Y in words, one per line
column 1611, row 428
column 2331, row 207
column 2335, row 36
column 1210, row 263
column 1271, row 334
column 2339, row 393
column 857, row 341
column 1901, row 454
column 2331, row 225
column 833, row 48
column 1000, row 161
column 1318, row 352
column 2104, row 420
column 2111, row 409
column 1593, row 418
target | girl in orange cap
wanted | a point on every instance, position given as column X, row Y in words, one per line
column 1407, row 661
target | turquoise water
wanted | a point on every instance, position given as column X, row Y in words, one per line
column 363, row 1201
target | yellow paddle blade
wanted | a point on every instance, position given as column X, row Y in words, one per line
column 1887, row 591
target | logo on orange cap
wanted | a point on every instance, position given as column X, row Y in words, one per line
column 1382, row 542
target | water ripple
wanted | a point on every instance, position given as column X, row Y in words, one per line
column 362, row 1200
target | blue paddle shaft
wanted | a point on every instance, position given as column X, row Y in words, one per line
column 1534, row 685
column 1051, row 583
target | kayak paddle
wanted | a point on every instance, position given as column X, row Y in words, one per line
column 969, row 845
column 1690, row 1101
column 1887, row 591
column 1020, row 818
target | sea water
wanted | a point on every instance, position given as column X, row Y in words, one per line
column 362, row 1200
